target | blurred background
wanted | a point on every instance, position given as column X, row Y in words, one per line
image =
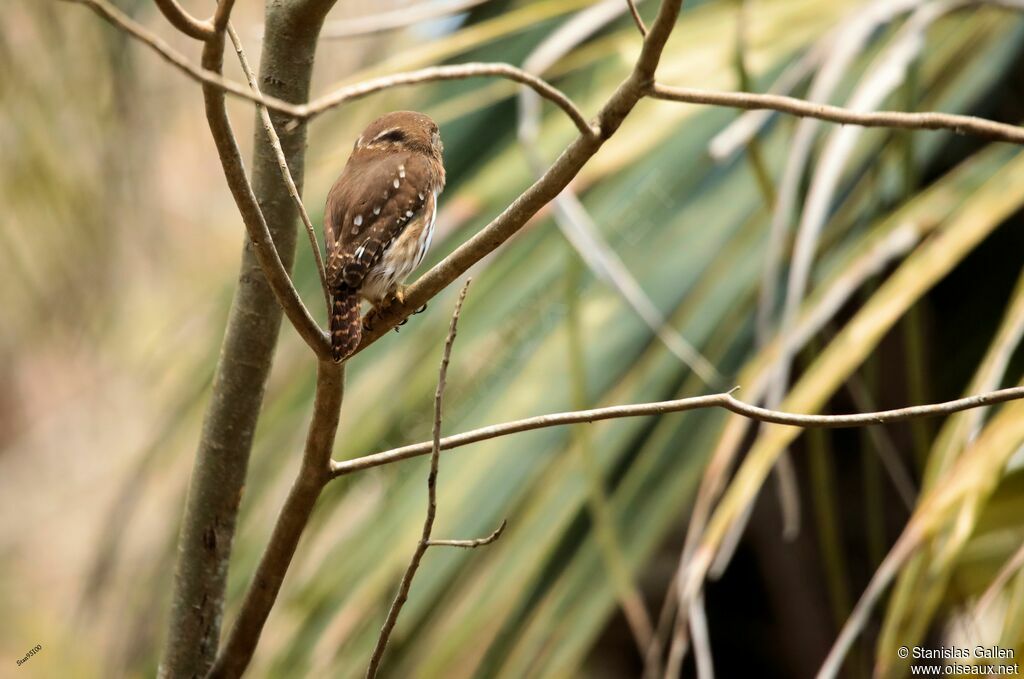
column 120, row 247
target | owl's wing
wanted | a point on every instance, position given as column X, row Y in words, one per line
column 367, row 209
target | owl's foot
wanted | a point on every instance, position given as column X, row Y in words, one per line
column 421, row 309
column 368, row 320
column 371, row 317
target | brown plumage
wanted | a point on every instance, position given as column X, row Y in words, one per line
column 379, row 218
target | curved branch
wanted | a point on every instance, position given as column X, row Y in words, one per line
column 452, row 72
column 958, row 124
column 282, row 164
column 200, row 29
column 723, row 400
column 305, row 112
column 255, row 223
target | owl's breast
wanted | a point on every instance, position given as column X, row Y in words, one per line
column 403, row 255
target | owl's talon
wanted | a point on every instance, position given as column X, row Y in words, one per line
column 421, row 309
column 368, row 320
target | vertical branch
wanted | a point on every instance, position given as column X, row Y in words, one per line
column 282, row 164
column 428, row 523
column 222, row 457
column 310, row 481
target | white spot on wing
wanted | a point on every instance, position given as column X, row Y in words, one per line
column 395, row 183
column 376, row 210
column 401, row 172
column 358, row 221
column 408, row 213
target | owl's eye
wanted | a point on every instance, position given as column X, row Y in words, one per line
column 393, row 136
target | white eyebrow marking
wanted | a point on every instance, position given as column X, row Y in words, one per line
column 358, row 221
column 385, row 133
column 395, row 182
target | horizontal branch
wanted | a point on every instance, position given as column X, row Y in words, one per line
column 959, row 124
column 979, row 127
column 470, row 544
column 724, row 400
column 451, row 72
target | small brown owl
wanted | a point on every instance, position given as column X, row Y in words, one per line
column 379, row 218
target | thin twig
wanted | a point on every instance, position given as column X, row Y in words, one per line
column 252, row 215
column 958, row 124
column 282, row 163
column 469, row 544
column 724, row 400
column 637, row 19
column 428, row 523
column 452, row 72
column 186, row 23
column 394, row 19
column 980, row 127
column 305, row 112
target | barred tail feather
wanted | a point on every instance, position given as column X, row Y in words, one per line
column 346, row 326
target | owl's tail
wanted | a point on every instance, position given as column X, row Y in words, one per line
column 346, row 326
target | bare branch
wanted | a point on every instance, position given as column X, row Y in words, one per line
column 637, row 19
column 452, row 72
column 282, row 163
column 958, row 124
column 305, row 112
column 222, row 15
column 428, row 523
column 478, row 542
column 186, row 23
column 723, row 400
column 986, row 129
column 252, row 215
column 236, row 653
column 394, row 19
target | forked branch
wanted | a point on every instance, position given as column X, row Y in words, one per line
column 428, row 523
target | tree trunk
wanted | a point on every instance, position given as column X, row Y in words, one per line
column 218, row 475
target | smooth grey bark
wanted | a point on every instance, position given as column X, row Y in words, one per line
column 219, row 471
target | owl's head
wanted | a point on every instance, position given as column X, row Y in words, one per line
column 402, row 131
